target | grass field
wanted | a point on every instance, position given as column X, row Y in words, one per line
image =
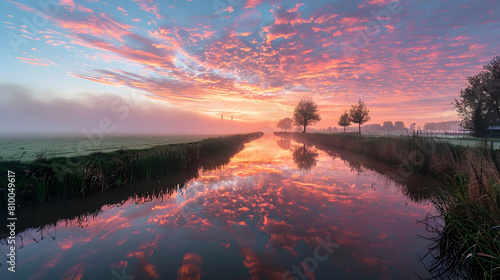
column 26, row 149
column 473, row 142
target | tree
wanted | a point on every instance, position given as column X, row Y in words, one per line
column 285, row 123
column 344, row 120
column 359, row 114
column 388, row 125
column 306, row 113
column 399, row 125
column 479, row 104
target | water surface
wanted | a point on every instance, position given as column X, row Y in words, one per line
column 278, row 210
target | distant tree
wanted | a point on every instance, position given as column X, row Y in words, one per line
column 306, row 113
column 412, row 127
column 448, row 126
column 359, row 114
column 479, row 103
column 399, row 125
column 344, row 120
column 388, row 125
column 285, row 123
column 375, row 128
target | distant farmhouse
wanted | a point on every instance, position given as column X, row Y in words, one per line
column 494, row 130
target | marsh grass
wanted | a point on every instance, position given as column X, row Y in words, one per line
column 42, row 188
column 46, row 179
column 467, row 244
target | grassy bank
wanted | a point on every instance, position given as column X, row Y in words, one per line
column 69, row 177
column 470, row 206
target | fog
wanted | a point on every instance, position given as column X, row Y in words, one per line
column 24, row 112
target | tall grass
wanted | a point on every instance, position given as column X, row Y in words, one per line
column 467, row 245
column 42, row 188
column 46, row 179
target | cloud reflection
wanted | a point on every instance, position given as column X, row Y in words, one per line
column 256, row 217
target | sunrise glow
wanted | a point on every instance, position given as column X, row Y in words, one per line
column 252, row 60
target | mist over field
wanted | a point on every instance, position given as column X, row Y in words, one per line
column 22, row 112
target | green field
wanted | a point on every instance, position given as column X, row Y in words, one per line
column 471, row 142
column 26, row 149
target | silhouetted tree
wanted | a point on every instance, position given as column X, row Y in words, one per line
column 399, row 125
column 305, row 157
column 479, row 104
column 285, row 123
column 306, row 113
column 344, row 120
column 449, row 126
column 388, row 125
column 359, row 114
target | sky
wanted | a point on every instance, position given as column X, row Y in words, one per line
column 69, row 64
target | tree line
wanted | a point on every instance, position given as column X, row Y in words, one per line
column 478, row 107
column 306, row 114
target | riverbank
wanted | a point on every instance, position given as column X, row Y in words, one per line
column 65, row 178
column 470, row 206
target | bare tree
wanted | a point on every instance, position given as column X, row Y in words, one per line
column 306, row 113
column 285, row 123
column 344, row 120
column 359, row 114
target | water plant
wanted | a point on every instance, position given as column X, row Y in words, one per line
column 42, row 188
column 466, row 243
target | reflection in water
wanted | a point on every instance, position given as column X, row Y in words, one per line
column 449, row 257
column 354, row 163
column 257, row 217
column 191, row 267
column 305, row 157
column 77, row 211
column 284, row 143
column 411, row 186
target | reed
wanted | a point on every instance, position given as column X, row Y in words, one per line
column 466, row 245
column 61, row 178
column 42, row 188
